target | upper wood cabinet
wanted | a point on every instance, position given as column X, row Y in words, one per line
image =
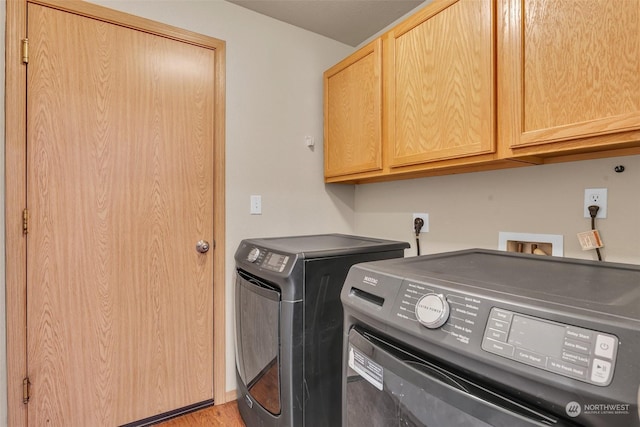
column 470, row 85
column 439, row 83
column 418, row 101
column 352, row 113
column 568, row 76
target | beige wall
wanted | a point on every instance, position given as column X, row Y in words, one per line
column 469, row 210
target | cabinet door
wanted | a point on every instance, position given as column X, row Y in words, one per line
column 441, row 86
column 352, row 113
column 569, row 73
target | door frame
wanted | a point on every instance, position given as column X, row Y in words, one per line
column 16, row 196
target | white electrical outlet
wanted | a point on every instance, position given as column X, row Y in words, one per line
column 425, row 218
column 598, row 197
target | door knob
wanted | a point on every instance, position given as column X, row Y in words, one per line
column 202, row 246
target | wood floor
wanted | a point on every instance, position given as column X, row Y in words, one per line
column 226, row 415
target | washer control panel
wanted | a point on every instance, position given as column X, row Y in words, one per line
column 574, row 352
column 432, row 312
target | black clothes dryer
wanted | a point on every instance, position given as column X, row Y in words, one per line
column 289, row 325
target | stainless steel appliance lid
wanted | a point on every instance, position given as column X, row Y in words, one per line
column 322, row 245
column 598, row 286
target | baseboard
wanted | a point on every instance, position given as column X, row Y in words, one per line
column 229, row 396
column 151, row 421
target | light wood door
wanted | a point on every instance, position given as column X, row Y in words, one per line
column 119, row 190
column 570, row 74
column 353, row 113
column 440, row 84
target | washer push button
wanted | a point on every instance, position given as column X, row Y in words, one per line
column 577, row 346
column 577, row 340
column 531, row 358
column 496, row 335
column 578, row 359
column 579, row 334
column 500, row 320
column 604, row 346
column 601, row 371
column 567, row 368
column 503, row 349
column 502, row 315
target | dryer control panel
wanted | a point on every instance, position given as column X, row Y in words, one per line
column 578, row 353
column 266, row 259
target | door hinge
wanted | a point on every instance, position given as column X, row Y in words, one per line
column 26, row 390
column 25, row 221
column 25, row 51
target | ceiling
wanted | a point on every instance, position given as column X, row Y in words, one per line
column 347, row 21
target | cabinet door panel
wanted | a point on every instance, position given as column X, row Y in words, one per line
column 353, row 121
column 576, row 69
column 441, row 97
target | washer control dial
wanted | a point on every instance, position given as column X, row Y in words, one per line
column 432, row 310
column 253, row 255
